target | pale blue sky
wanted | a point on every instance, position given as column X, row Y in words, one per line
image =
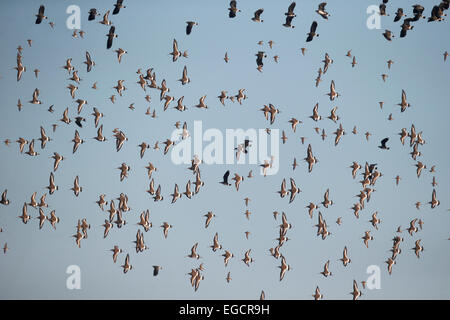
column 36, row 263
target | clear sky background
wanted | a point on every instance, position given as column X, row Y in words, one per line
column 35, row 266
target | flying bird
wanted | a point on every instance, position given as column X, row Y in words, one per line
column 233, row 9
column 40, row 16
column 189, row 26
column 257, row 15
column 388, row 35
column 322, row 11
column 404, row 103
column 383, row 144
column 117, row 6
column 92, row 14
column 312, row 32
column 225, row 178
column 111, row 35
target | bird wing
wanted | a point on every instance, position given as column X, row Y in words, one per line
column 283, row 218
column 282, row 272
column 92, row 13
column 291, row 7
column 188, row 28
column 310, row 154
column 289, row 19
column 283, row 185
column 272, row 117
column 313, row 27
column 293, row 186
column 327, row 193
column 110, row 38
column 226, row 175
column 116, row 9
column 403, row 33
column 43, row 135
column 316, row 108
column 355, row 286
column 88, row 57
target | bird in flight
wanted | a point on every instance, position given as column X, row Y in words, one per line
column 225, row 178
column 111, row 35
column 40, row 16
column 233, row 9
column 257, row 15
column 322, row 11
column 290, row 15
column 189, row 26
column 383, row 144
column 312, row 32
column 117, row 6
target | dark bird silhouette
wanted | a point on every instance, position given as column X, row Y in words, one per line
column 288, row 22
column 118, row 6
column 290, row 15
column 40, row 16
column 257, row 15
column 383, row 10
column 189, row 26
column 92, row 14
column 437, row 13
column 405, row 27
column 259, row 58
column 233, row 9
column 156, row 270
column 290, row 12
column 78, row 121
column 388, row 35
column 312, row 32
column 225, row 178
column 399, row 14
column 111, row 35
column 418, row 12
column 383, row 144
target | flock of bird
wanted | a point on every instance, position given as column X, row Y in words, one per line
column 116, row 207
column 437, row 14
